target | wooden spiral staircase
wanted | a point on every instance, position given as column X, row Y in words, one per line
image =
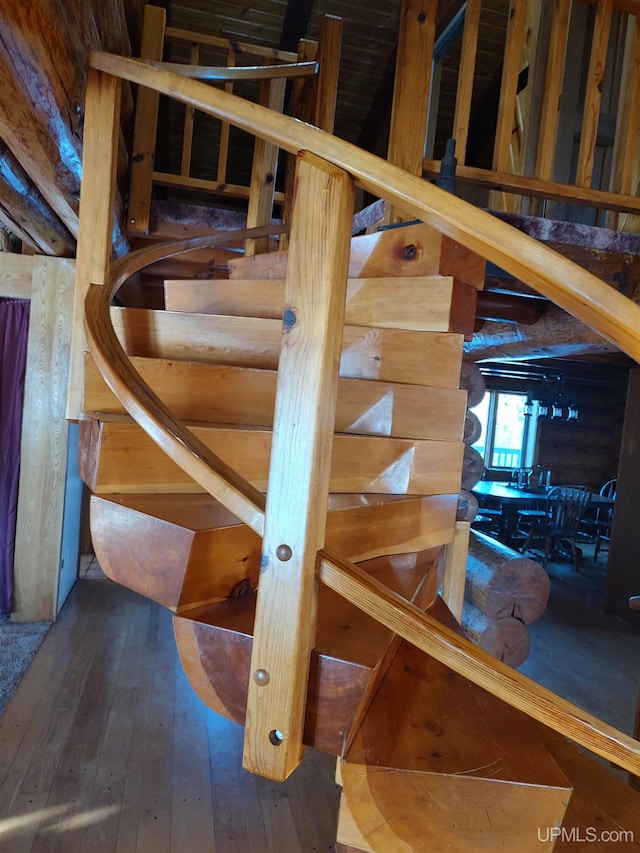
column 327, row 377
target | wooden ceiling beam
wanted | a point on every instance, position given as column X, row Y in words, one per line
column 555, row 335
column 510, row 309
column 25, row 212
column 44, row 52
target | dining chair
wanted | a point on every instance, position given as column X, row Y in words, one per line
column 553, row 530
column 489, row 521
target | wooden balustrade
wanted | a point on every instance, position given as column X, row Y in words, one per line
column 272, row 71
column 531, row 147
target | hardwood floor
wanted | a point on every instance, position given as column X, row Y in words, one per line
column 580, row 652
column 104, row 747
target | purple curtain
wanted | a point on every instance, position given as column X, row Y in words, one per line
column 14, row 328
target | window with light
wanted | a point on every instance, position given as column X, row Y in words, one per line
column 508, row 421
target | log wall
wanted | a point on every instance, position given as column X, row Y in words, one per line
column 585, row 452
column 504, row 592
column 44, row 55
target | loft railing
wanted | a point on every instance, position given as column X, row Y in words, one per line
column 568, row 69
column 608, row 312
column 228, row 62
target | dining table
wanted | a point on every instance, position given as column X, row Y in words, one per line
column 510, row 498
column 498, row 493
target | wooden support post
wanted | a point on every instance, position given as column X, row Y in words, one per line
column 466, row 75
column 189, row 114
column 455, row 565
column 44, row 441
column 411, row 90
column 513, row 51
column 296, row 510
column 593, row 94
column 97, row 196
column 144, row 135
column 225, row 129
column 624, row 550
column 328, row 71
column 263, row 171
column 625, row 150
column 549, row 115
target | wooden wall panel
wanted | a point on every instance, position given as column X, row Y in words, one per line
column 44, row 439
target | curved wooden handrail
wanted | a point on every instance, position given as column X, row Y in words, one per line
column 234, row 74
column 620, row 324
column 579, row 292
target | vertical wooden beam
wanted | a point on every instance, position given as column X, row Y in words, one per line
column 146, row 123
column 225, row 129
column 297, row 492
column 626, row 161
column 549, row 115
column 44, row 442
column 455, row 569
column 263, row 171
column 301, row 106
column 411, row 89
column 189, row 112
column 624, row 550
column 465, row 78
column 593, row 94
column 513, row 52
column 97, row 195
column 328, row 72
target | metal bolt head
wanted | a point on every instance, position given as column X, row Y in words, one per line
column 284, row 553
column 261, row 677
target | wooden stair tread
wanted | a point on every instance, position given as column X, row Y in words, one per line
column 442, row 715
column 118, row 456
column 223, row 394
column 445, row 734
column 393, row 355
column 341, row 631
column 601, row 801
column 192, row 551
column 415, row 249
column 421, row 304
column 438, row 763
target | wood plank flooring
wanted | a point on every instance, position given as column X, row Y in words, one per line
column 104, row 747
